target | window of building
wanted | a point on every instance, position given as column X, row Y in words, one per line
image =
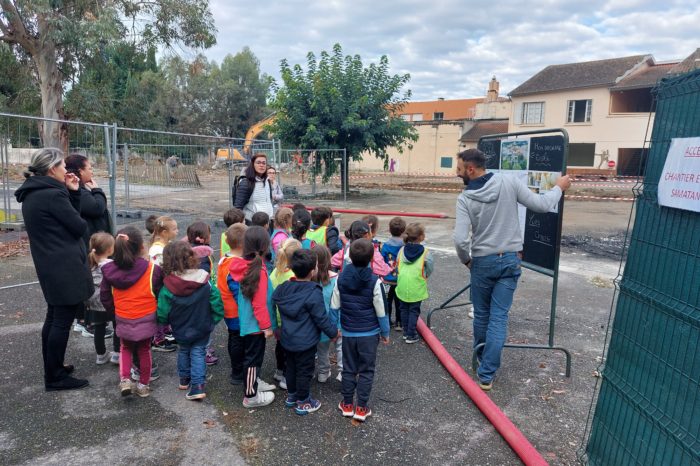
column 417, row 117
column 579, row 111
column 406, row 117
column 581, row 154
column 438, row 115
column 532, row 113
column 631, row 101
column 445, row 162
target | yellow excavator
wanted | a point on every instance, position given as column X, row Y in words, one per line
column 225, row 154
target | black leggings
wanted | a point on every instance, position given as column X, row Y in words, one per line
column 99, row 332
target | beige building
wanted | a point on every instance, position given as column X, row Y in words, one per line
column 441, row 126
column 605, row 106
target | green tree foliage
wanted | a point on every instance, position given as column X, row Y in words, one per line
column 60, row 35
column 339, row 103
column 18, row 90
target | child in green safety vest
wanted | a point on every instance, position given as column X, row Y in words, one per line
column 321, row 231
column 414, row 265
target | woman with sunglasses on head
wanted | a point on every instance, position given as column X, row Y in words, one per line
column 254, row 192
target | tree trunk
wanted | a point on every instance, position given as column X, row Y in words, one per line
column 53, row 134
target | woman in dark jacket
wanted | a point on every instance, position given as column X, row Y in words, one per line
column 93, row 202
column 254, row 193
column 55, row 229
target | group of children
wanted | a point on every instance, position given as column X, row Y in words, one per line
column 294, row 279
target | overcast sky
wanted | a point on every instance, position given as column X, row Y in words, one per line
column 451, row 48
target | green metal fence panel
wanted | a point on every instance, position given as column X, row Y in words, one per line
column 648, row 408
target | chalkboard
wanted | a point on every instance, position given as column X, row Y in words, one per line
column 546, row 161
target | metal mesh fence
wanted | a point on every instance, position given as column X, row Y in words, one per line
column 648, row 406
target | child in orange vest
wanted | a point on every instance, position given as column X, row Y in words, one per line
column 130, row 288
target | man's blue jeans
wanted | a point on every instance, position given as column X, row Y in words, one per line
column 191, row 362
column 493, row 279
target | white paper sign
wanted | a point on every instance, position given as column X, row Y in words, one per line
column 679, row 185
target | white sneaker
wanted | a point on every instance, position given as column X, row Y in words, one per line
column 114, row 358
column 79, row 327
column 283, row 383
column 471, row 312
column 102, row 358
column 264, row 386
column 279, row 375
column 339, row 377
column 260, row 399
column 324, row 376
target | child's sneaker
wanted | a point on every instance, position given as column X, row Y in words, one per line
column 260, row 399
column 114, row 358
column 142, row 390
column 362, row 413
column 163, row 346
column 136, row 374
column 324, row 376
column 264, row 386
column 307, row 406
column 102, row 359
column 184, row 383
column 196, row 392
column 291, row 400
column 125, row 387
column 411, row 340
column 88, row 331
column 347, row 409
column 78, row 327
column 339, row 377
column 210, row 359
column 279, row 375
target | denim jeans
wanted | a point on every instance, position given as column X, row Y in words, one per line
column 493, row 279
column 191, row 361
column 409, row 318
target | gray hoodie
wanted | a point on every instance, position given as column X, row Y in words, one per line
column 491, row 213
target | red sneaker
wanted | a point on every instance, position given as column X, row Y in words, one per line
column 362, row 413
column 348, row 410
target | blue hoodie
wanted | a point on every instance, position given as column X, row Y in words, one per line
column 303, row 314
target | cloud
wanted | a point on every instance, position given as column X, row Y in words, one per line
column 452, row 48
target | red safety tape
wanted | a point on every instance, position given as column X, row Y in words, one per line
column 599, row 198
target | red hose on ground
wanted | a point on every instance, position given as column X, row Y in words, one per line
column 517, row 441
column 389, row 213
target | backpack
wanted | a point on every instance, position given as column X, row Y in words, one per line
column 237, row 181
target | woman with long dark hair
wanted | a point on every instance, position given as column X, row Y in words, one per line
column 253, row 193
column 50, row 199
column 93, row 201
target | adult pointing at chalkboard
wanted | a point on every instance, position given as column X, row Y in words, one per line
column 488, row 239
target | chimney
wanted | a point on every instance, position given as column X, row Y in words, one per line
column 492, row 93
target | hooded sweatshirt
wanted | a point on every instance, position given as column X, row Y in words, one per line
column 342, row 258
column 190, row 304
column 138, row 323
column 490, row 213
column 204, row 252
column 52, row 217
column 303, row 313
column 254, row 315
column 390, row 251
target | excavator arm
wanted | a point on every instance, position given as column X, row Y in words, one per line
column 256, row 129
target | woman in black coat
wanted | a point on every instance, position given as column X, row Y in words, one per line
column 93, row 201
column 50, row 200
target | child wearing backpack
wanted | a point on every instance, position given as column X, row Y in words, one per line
column 301, row 222
column 390, row 251
column 193, row 308
column 321, row 232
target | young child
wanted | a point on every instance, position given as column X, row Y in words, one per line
column 228, row 288
column 260, row 219
column 300, row 304
column 340, row 241
column 327, row 279
column 414, row 265
column 359, row 297
column 359, row 230
column 165, row 231
column 129, row 288
column 151, row 223
column 231, row 217
column 283, row 226
column 279, row 275
column 321, row 232
column 199, row 236
column 101, row 247
column 301, row 221
column 256, row 320
column 193, row 308
column 390, row 251
column 373, row 222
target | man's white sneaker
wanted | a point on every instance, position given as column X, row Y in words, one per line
column 264, row 386
column 260, row 399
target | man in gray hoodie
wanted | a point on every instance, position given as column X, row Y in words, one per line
column 488, row 240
